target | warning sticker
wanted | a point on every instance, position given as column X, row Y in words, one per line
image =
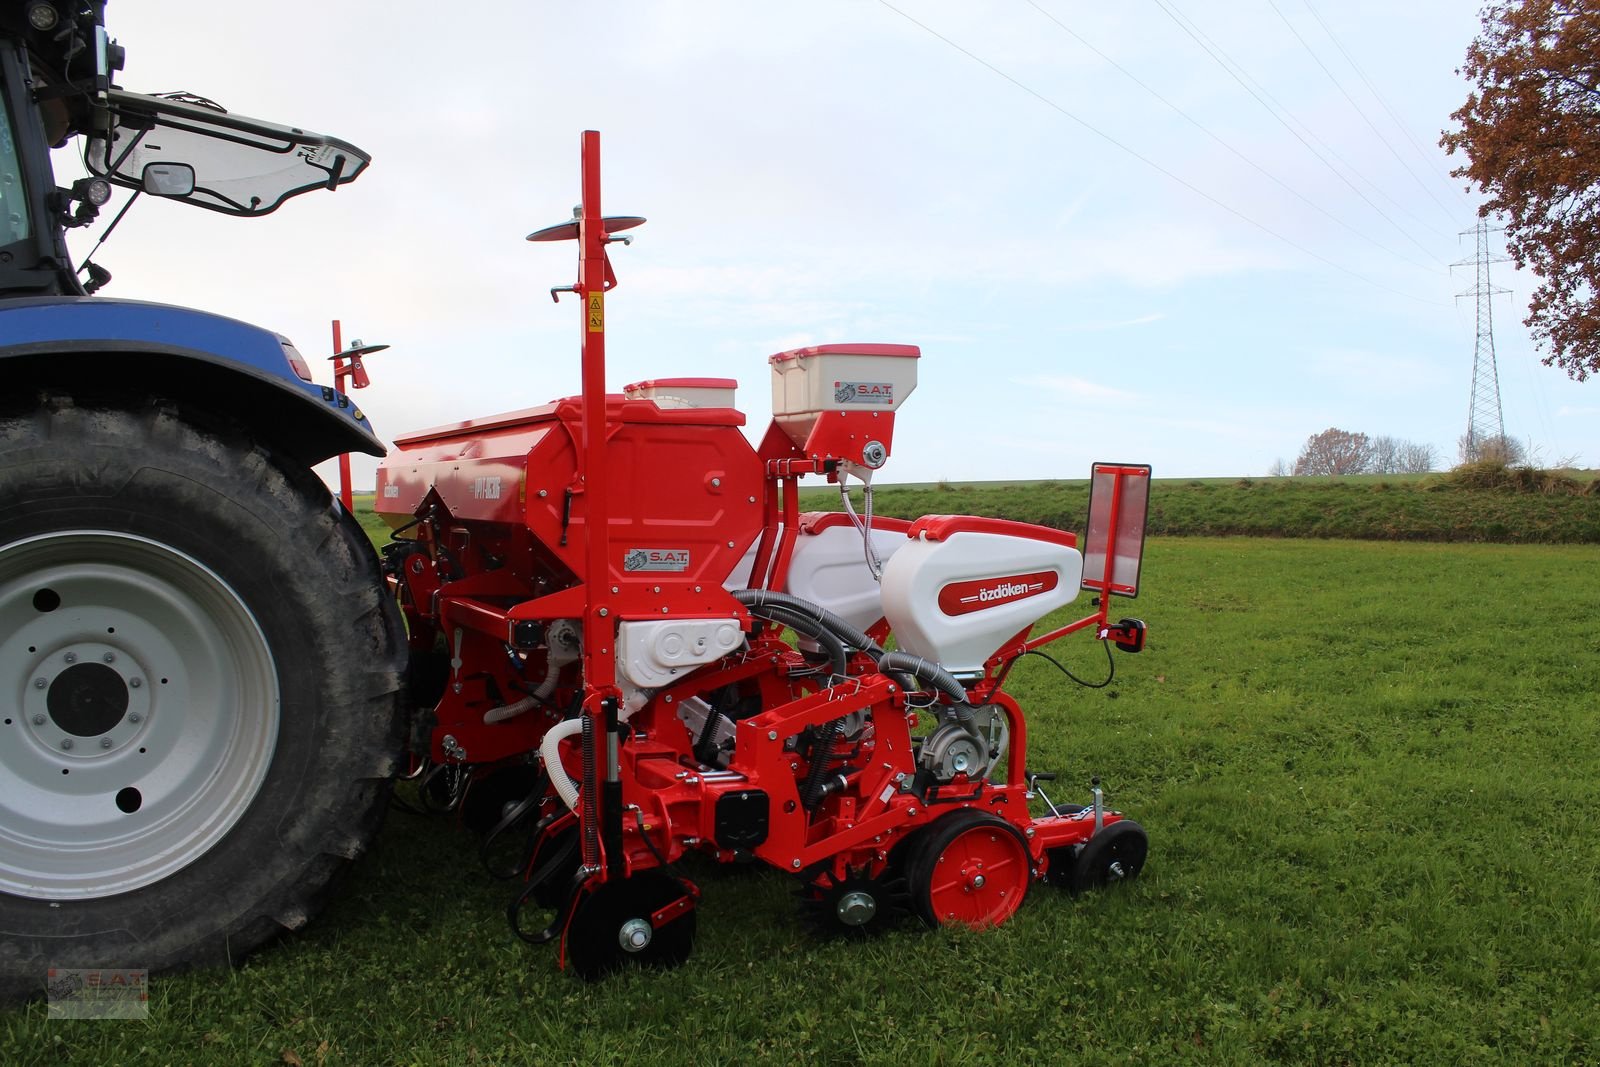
column 597, row 312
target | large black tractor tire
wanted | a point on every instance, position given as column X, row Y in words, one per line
column 200, row 691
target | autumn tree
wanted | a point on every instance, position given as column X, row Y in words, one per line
column 1530, row 130
column 1334, row 451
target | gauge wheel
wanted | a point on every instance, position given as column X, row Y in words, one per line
column 971, row 869
column 1115, row 854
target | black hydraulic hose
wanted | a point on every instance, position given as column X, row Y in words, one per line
column 768, row 598
column 804, row 624
column 929, row 672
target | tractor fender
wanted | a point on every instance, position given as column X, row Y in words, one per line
column 105, row 349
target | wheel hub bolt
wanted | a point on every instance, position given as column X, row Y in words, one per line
column 71, row 657
column 977, row 881
column 635, row 935
column 134, row 683
column 38, row 720
column 1115, row 870
column 66, row 742
column 134, row 716
column 39, row 683
column 857, row 908
column 105, row 742
column 110, row 657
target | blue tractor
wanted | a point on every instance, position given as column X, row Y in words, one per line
column 201, row 678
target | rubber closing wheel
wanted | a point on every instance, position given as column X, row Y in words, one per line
column 615, row 926
column 972, row 869
column 1115, row 854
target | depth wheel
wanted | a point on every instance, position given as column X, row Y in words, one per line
column 201, row 675
column 1115, row 854
column 972, row 869
column 613, row 926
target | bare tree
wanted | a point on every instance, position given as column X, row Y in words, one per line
column 1385, row 455
column 1334, row 451
column 1417, row 458
column 1279, row 468
column 1396, row 455
column 1505, row 451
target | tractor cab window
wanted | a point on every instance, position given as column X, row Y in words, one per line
column 241, row 166
column 13, row 196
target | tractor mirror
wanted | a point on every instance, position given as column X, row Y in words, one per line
column 168, row 179
column 1119, row 497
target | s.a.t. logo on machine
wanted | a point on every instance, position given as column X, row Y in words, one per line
column 656, row 559
column 864, row 393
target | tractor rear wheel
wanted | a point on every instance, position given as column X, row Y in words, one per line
column 199, row 692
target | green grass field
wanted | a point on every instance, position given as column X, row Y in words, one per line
column 1368, row 772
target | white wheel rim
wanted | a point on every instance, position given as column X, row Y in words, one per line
column 140, row 713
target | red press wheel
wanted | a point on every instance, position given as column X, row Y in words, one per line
column 972, row 869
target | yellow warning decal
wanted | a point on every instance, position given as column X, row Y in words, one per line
column 597, row 312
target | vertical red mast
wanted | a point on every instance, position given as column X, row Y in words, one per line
column 346, row 496
column 594, row 278
column 600, row 812
column 349, row 373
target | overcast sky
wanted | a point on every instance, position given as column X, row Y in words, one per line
column 1109, row 243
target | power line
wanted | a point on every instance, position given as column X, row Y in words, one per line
column 1373, row 89
column 1224, row 143
column 1358, row 109
column 1147, row 161
column 1262, row 97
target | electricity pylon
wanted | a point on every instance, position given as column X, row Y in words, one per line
column 1485, row 421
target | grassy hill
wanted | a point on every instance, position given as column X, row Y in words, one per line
column 1507, row 506
column 1474, row 504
